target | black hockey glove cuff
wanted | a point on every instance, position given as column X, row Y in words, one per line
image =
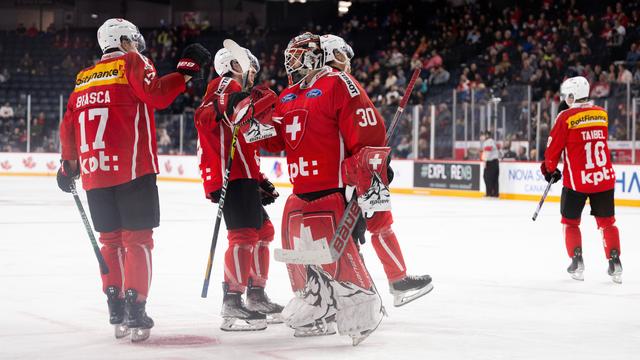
column 195, row 57
column 234, row 99
column 268, row 192
column 359, row 231
column 66, row 176
column 390, row 173
column 554, row 176
column 214, row 196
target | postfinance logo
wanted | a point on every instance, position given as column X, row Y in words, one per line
column 109, row 73
column 588, row 118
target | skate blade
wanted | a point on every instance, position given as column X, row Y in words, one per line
column 139, row 334
column 617, row 278
column 315, row 331
column 229, row 324
column 121, row 331
column 577, row 276
column 405, row 298
column 273, row 319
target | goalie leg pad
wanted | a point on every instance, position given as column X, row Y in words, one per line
column 237, row 258
column 113, row 252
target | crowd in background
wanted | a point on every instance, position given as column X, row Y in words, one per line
column 476, row 49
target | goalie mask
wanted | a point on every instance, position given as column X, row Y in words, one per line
column 302, row 55
column 333, row 46
column 114, row 31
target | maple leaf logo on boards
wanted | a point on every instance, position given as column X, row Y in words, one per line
column 6, row 165
column 29, row 163
column 167, row 166
column 181, row 169
column 52, row 165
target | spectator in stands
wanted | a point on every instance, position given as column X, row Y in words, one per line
column 439, row 76
column 4, row 76
column 26, row 63
column 6, row 111
column 32, row 31
column 624, row 75
column 21, row 30
column 507, row 153
column 522, row 154
column 600, row 88
column 164, row 141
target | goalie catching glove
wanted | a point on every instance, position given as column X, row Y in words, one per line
column 367, row 170
column 195, row 57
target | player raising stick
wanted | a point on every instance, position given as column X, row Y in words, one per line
column 108, row 138
column 405, row 288
column 581, row 132
column 249, row 229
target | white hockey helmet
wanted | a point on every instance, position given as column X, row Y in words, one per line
column 113, row 31
column 575, row 88
column 223, row 59
column 332, row 43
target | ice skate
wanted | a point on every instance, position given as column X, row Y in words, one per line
column 615, row 267
column 137, row 321
column 116, row 312
column 409, row 288
column 236, row 316
column 576, row 269
column 257, row 300
column 321, row 327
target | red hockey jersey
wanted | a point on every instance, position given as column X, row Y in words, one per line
column 321, row 124
column 582, row 132
column 109, row 123
column 214, row 140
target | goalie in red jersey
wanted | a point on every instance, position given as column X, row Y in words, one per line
column 249, row 229
column 405, row 288
column 581, row 132
column 108, row 138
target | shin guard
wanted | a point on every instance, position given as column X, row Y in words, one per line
column 386, row 245
column 138, row 261
column 260, row 263
column 572, row 235
column 237, row 259
column 610, row 234
column 114, row 255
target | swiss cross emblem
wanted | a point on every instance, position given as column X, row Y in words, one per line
column 294, row 126
column 375, row 159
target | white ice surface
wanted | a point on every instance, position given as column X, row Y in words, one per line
column 501, row 289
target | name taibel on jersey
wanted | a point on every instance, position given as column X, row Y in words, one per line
column 119, row 93
column 582, row 133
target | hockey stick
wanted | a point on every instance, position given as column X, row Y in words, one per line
column 104, row 269
column 243, row 60
column 351, row 213
column 544, row 197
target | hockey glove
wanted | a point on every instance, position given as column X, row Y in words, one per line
column 195, row 57
column 214, row 196
column 66, row 176
column 359, row 230
column 268, row 192
column 234, row 99
column 553, row 177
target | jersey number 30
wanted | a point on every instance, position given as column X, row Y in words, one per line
column 596, row 154
column 368, row 117
column 91, row 114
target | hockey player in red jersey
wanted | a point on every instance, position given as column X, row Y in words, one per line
column 249, row 229
column 108, row 139
column 324, row 118
column 581, row 133
column 405, row 288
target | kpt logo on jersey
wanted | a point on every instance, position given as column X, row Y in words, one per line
column 287, row 98
column 314, row 93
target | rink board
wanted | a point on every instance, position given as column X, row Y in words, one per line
column 518, row 180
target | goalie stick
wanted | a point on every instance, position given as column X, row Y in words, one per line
column 351, row 214
column 243, row 60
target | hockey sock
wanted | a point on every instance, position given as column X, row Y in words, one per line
column 237, row 259
column 138, row 264
column 572, row 235
column 386, row 245
column 260, row 264
column 113, row 254
column 610, row 234
column 388, row 249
